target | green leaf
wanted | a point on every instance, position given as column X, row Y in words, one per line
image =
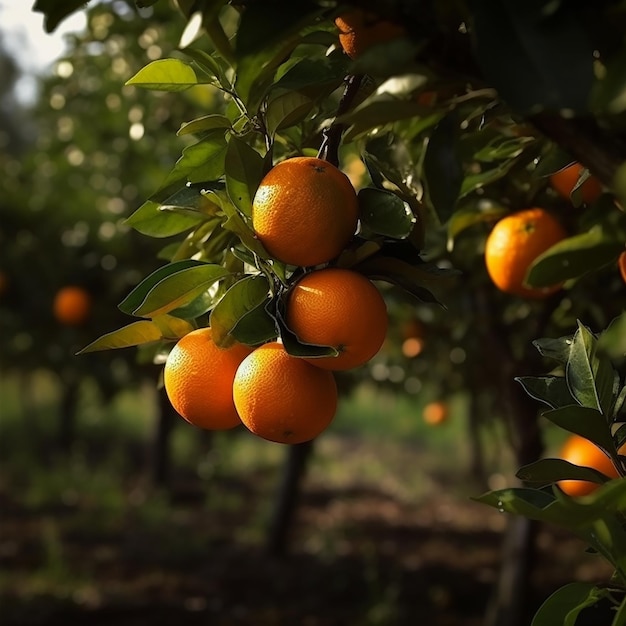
column 256, row 327
column 179, row 289
column 535, row 55
column 208, row 65
column 243, row 297
column 384, row 213
column 443, row 171
column 547, row 471
column 556, row 349
column 287, row 109
column 584, row 421
column 313, row 76
column 612, row 341
column 589, row 375
column 295, row 347
column 565, row 604
column 551, row 390
column 477, row 213
column 263, row 24
column 134, row 334
column 178, row 212
column 472, row 182
column 244, row 171
column 138, row 295
column 172, row 328
column 201, row 162
column 204, row 124
column 55, row 12
column 574, row 257
column 165, row 75
column 236, row 224
column 415, row 280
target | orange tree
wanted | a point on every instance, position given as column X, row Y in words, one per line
column 457, row 121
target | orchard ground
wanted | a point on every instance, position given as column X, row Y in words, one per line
column 386, row 532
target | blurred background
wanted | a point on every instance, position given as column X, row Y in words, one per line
column 113, row 508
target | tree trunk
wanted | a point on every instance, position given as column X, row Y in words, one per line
column 287, row 497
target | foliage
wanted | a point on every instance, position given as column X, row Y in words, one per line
column 515, row 92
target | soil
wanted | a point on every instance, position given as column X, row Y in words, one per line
column 357, row 555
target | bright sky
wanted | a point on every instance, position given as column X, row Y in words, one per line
column 34, row 49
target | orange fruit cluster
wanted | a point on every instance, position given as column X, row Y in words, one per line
column 71, row 305
column 581, row 451
column 304, row 212
column 512, row 246
column 360, row 30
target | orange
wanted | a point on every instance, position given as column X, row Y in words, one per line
column 305, row 211
column 621, row 264
column 198, row 379
column 514, row 243
column 435, row 413
column 359, row 30
column 581, row 451
column 283, row 398
column 339, row 308
column 564, row 181
column 71, row 305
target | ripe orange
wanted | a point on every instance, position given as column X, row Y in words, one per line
column 581, row 451
column 359, row 30
column 514, row 243
column 305, row 211
column 338, row 308
column 198, row 379
column 621, row 264
column 564, row 180
column 283, row 398
column 71, row 305
column 435, row 413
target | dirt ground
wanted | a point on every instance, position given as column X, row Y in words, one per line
column 358, row 555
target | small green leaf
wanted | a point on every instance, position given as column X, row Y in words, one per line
column 243, row 297
column 547, row 471
column 201, row 162
column 574, row 257
column 55, row 12
column 551, row 390
column 584, row 421
column 612, row 341
column 244, row 171
column 556, row 349
column 135, row 299
column 179, row 289
column 476, row 213
column 272, row 21
column 384, row 213
column 172, row 328
column 204, row 124
column 565, row 604
column 443, row 170
column 418, row 280
column 165, row 75
column 175, row 213
column 134, row 334
column 287, row 109
column 589, row 375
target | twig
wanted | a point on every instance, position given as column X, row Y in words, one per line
column 329, row 150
